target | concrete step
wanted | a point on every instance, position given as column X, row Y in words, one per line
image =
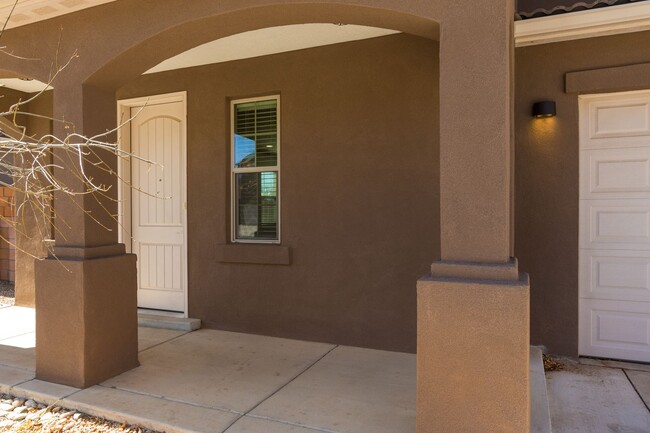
column 149, row 320
column 540, row 415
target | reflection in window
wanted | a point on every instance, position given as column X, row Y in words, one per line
column 256, row 134
column 255, row 170
column 257, row 205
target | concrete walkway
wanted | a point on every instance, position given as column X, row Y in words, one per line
column 594, row 396
column 214, row 381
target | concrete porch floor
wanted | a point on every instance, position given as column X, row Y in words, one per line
column 599, row 396
column 214, row 381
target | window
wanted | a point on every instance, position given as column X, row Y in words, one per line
column 255, row 170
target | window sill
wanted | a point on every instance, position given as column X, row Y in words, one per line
column 254, row 254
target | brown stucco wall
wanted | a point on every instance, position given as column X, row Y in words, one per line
column 547, row 159
column 360, row 190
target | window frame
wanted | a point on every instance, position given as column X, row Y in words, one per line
column 234, row 171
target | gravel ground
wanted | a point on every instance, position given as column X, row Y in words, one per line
column 7, row 293
column 28, row 416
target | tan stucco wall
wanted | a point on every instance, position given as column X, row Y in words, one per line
column 360, row 199
column 547, row 159
column 485, row 385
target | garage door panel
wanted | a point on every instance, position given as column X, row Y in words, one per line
column 615, row 224
column 616, row 173
column 608, row 118
column 626, row 118
column 615, row 329
column 615, row 275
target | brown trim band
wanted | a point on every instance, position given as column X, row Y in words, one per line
column 618, row 79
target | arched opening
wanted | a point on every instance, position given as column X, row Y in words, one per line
column 180, row 36
column 353, row 230
column 350, row 60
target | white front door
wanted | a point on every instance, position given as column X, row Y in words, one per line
column 615, row 226
column 158, row 204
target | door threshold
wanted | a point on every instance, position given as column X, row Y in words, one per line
column 163, row 313
column 167, row 320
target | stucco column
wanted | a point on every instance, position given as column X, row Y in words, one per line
column 86, row 306
column 473, row 308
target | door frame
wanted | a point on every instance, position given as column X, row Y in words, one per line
column 124, row 194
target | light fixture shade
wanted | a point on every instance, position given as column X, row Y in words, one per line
column 544, row 109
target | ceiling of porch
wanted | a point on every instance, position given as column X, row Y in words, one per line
column 272, row 40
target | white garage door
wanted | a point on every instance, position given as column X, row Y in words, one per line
column 615, row 226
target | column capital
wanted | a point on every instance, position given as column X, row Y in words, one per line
column 87, row 253
column 500, row 271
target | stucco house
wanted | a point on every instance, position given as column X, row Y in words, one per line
column 364, row 172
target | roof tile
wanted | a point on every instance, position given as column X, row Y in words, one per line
column 540, row 8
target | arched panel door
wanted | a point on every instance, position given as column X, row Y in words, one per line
column 158, row 205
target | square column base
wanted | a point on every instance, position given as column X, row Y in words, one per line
column 86, row 319
column 473, row 355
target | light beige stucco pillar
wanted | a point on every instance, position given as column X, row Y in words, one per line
column 473, row 309
column 86, row 307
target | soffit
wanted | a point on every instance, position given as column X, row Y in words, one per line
column 31, row 11
column 603, row 21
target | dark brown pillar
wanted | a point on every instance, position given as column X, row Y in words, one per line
column 86, row 306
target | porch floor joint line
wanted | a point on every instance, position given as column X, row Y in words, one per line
column 63, row 397
column 29, row 370
column 16, row 336
column 23, row 382
column 171, row 399
column 289, row 423
column 164, row 342
column 280, row 389
column 636, row 390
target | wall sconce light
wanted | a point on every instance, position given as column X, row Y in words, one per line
column 544, row 109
